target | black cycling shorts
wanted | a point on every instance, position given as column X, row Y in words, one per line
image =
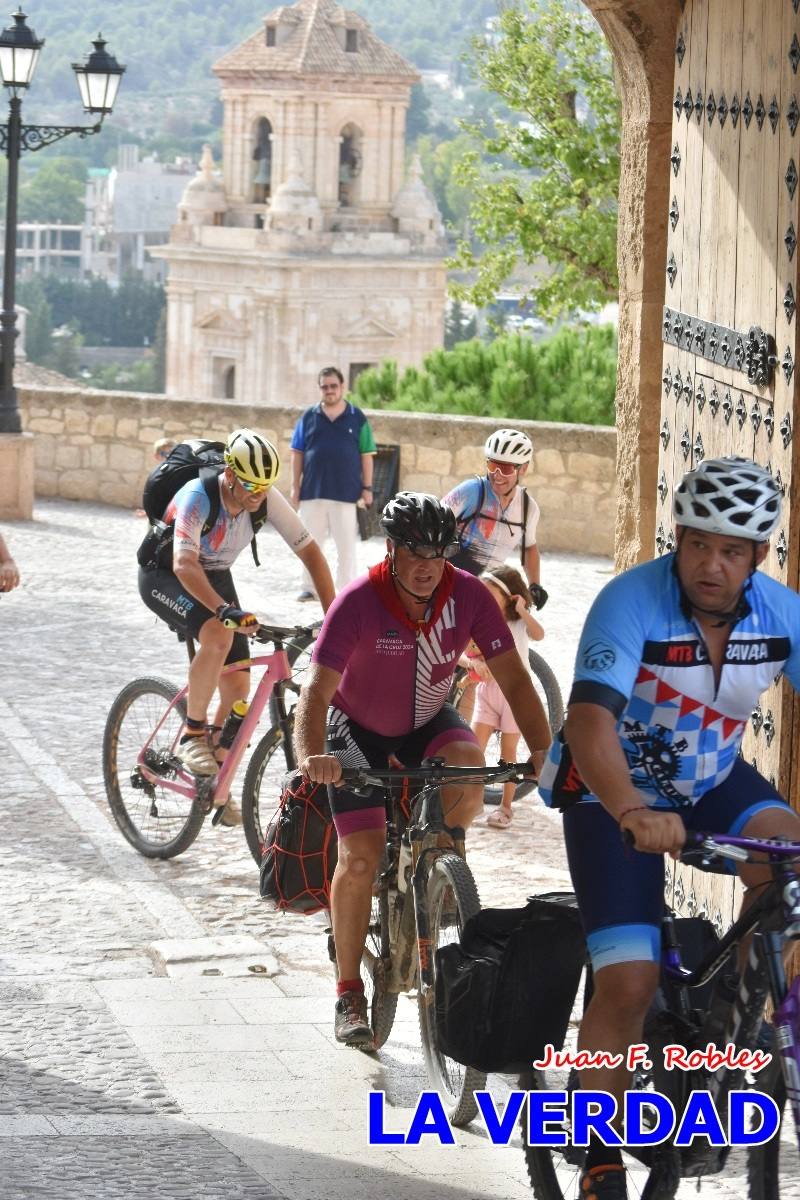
column 356, row 746
column 620, row 891
column 167, row 598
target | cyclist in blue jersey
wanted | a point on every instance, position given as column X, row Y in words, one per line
column 671, row 662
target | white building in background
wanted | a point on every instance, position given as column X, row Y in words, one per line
column 313, row 246
column 48, row 249
column 130, row 208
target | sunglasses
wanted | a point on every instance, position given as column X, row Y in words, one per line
column 253, row 488
column 430, row 552
column 501, row 468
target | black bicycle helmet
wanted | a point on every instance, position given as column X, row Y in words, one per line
column 416, row 519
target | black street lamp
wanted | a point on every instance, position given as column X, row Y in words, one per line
column 98, row 80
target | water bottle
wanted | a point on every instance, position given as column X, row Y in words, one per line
column 233, row 723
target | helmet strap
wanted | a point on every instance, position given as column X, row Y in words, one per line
column 399, row 583
column 738, row 613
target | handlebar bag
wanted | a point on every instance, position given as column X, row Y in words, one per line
column 300, row 849
column 508, row 988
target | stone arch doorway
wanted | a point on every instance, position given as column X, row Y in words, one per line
column 350, row 160
column 708, row 336
column 262, row 161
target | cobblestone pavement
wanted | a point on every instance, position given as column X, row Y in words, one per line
column 164, row 1033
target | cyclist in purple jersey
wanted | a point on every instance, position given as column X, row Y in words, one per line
column 671, row 662
column 381, row 671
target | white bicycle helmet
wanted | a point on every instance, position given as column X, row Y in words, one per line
column 251, row 457
column 509, row 446
column 731, row 496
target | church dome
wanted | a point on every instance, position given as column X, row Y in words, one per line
column 205, row 194
column 415, row 208
column 294, row 197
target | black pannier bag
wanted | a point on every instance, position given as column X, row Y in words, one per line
column 300, row 849
column 508, row 988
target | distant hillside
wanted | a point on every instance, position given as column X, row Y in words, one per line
column 169, row 46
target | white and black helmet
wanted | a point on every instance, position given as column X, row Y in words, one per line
column 509, row 446
column 731, row 496
column 251, row 457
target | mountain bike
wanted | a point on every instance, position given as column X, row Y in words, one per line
column 158, row 805
column 423, row 896
column 675, row 1018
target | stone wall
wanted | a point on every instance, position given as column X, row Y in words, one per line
column 97, row 446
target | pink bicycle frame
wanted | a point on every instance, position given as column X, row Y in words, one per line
column 276, row 668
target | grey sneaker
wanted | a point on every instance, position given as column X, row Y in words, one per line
column 198, row 757
column 352, row 1025
column 231, row 815
column 306, row 595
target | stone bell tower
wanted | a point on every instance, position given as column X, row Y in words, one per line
column 315, row 245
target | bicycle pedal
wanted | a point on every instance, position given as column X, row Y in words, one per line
column 217, row 817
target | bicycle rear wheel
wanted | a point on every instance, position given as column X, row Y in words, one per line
column 381, row 1004
column 261, row 790
column 452, row 898
column 157, row 821
column 555, row 1172
column 773, row 1169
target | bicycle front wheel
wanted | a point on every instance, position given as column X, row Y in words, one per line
column 452, row 898
column 381, row 1004
column 773, row 1169
column 261, row 791
column 156, row 820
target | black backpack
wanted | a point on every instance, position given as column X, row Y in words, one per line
column 198, row 459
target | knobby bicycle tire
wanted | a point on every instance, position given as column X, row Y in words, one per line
column 382, row 1004
column 779, row 1156
column 452, row 898
column 542, row 671
column 176, row 823
column 261, row 790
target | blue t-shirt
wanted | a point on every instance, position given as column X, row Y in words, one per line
column 643, row 658
column 332, row 453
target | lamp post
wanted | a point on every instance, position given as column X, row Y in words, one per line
column 98, row 80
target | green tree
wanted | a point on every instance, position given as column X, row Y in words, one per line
column 548, row 194
column 458, row 326
column 570, row 377
column 160, row 354
column 39, row 324
column 440, row 168
column 64, row 357
column 54, row 192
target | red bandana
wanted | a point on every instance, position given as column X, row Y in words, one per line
column 380, row 576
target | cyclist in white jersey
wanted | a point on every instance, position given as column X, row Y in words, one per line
column 495, row 515
column 197, row 596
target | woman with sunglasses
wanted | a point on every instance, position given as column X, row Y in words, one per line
column 198, row 596
column 494, row 513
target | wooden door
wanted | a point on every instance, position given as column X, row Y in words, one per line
column 729, row 328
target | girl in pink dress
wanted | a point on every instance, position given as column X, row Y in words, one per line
column 492, row 713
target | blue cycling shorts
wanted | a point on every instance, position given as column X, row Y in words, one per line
column 620, row 891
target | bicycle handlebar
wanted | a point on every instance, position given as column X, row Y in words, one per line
column 436, row 772
column 276, row 633
column 721, row 845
